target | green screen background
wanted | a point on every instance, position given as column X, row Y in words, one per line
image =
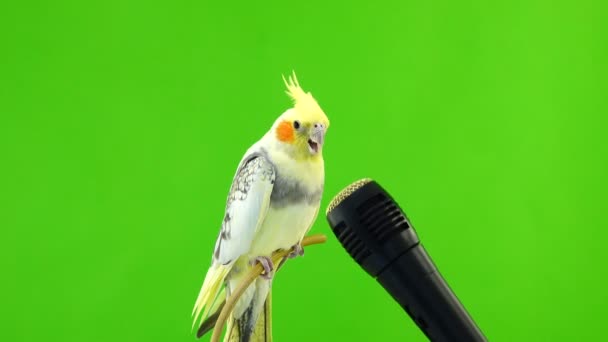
column 122, row 124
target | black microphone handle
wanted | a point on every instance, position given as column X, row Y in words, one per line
column 416, row 284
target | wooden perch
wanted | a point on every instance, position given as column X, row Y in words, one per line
column 249, row 278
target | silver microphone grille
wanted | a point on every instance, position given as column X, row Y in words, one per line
column 345, row 193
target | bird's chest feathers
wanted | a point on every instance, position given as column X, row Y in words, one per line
column 297, row 182
column 283, row 228
column 294, row 204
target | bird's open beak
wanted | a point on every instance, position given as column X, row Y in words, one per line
column 316, row 138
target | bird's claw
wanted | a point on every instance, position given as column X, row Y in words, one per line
column 267, row 265
column 297, row 251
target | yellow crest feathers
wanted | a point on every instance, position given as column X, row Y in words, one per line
column 294, row 90
column 304, row 103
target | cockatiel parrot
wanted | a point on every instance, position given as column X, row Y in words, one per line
column 273, row 202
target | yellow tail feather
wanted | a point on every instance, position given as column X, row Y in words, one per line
column 212, row 289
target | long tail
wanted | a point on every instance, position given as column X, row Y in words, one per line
column 212, row 293
column 239, row 331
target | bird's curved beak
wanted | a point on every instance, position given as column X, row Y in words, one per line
column 316, row 138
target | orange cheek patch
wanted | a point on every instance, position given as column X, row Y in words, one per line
column 285, row 132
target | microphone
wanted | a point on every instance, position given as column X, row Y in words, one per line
column 374, row 230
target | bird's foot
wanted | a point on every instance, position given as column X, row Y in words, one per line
column 297, row 251
column 267, row 265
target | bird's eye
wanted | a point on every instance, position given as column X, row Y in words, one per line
column 296, row 124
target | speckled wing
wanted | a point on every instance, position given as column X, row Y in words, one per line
column 246, row 208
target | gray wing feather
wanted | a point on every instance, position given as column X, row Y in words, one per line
column 246, row 208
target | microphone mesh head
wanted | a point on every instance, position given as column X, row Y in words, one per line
column 345, row 193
